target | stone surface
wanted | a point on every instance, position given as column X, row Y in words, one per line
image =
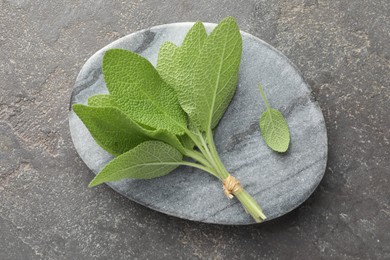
column 279, row 182
column 46, row 212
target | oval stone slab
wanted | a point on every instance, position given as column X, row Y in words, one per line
column 279, row 182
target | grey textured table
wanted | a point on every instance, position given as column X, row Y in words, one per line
column 46, row 212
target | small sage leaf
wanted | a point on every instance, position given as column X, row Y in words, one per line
column 274, row 128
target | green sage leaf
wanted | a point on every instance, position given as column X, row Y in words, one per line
column 216, row 74
column 140, row 92
column 274, row 128
column 148, row 160
column 175, row 64
column 117, row 133
column 106, row 100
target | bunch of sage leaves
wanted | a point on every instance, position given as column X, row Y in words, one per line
column 153, row 119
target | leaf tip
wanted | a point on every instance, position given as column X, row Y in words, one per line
column 94, row 183
column 77, row 108
column 168, row 45
column 282, row 149
column 199, row 24
column 229, row 18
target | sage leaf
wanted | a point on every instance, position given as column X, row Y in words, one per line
column 105, row 100
column 176, row 63
column 215, row 75
column 116, row 133
column 140, row 92
column 148, row 160
column 274, row 128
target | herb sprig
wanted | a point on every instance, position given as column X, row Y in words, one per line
column 274, row 128
column 154, row 119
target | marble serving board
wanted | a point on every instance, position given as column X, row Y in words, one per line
column 279, row 182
